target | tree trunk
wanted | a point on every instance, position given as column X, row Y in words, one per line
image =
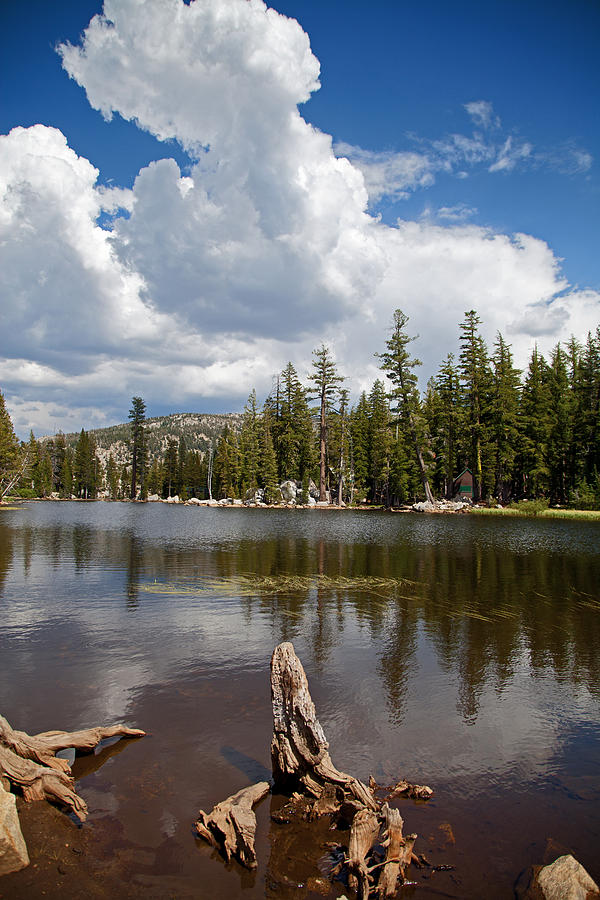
column 299, row 750
column 29, row 761
column 322, row 452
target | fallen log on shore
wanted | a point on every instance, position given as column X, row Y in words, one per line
column 30, row 764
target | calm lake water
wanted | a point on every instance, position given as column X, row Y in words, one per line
column 459, row 651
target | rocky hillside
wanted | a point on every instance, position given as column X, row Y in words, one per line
column 200, row 430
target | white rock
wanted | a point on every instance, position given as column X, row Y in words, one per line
column 566, row 879
column 13, row 850
column 288, row 490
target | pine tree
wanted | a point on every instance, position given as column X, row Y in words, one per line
column 447, row 425
column 534, row 422
column 326, row 383
column 379, row 445
column 250, row 447
column 476, row 384
column 171, row 467
column 112, row 478
column 227, row 465
column 67, row 474
column 137, row 417
column 505, row 419
column 398, row 365
column 11, row 463
column 268, row 461
column 560, row 425
column 85, row 467
column 359, row 447
column 589, row 405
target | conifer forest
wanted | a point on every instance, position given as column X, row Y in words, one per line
column 531, row 434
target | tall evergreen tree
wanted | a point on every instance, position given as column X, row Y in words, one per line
column 447, row 426
column 268, row 461
column 326, row 383
column 85, row 467
column 476, row 384
column 112, row 478
column 534, row 422
column 379, row 445
column 171, row 466
column 11, row 464
column 560, row 425
column 359, row 447
column 250, row 447
column 137, row 417
column 505, row 419
column 398, row 365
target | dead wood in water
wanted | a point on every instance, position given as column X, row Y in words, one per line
column 299, row 751
column 363, row 834
column 302, row 768
column 398, row 852
column 30, row 764
column 231, row 825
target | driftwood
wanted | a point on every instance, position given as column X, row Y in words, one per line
column 30, row 764
column 363, row 834
column 406, row 789
column 231, row 825
column 302, row 768
column 398, row 852
column 299, row 751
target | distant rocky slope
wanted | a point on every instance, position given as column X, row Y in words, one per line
column 200, row 431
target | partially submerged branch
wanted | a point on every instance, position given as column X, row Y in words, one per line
column 231, row 825
column 30, row 764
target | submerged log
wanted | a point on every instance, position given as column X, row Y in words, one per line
column 30, row 764
column 231, row 825
column 299, row 751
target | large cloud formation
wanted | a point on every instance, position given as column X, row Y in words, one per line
column 206, row 282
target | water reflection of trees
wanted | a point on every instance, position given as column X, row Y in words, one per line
column 482, row 609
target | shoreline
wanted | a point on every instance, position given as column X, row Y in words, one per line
column 591, row 515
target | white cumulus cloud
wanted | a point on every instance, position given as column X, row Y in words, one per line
column 260, row 250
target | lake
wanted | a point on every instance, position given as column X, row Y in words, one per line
column 458, row 651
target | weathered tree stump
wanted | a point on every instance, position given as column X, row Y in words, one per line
column 299, row 751
column 231, row 825
column 30, row 764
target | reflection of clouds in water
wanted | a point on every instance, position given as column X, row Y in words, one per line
column 478, row 671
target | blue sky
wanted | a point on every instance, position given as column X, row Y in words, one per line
column 473, row 124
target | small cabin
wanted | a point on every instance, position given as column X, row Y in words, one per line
column 463, row 485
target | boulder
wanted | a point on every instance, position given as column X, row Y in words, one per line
column 424, row 506
column 174, row 499
column 13, row 850
column 564, row 879
column 288, row 490
column 153, row 498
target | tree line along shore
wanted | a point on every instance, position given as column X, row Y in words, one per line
column 526, row 439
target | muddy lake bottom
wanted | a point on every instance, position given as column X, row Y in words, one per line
column 459, row 652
